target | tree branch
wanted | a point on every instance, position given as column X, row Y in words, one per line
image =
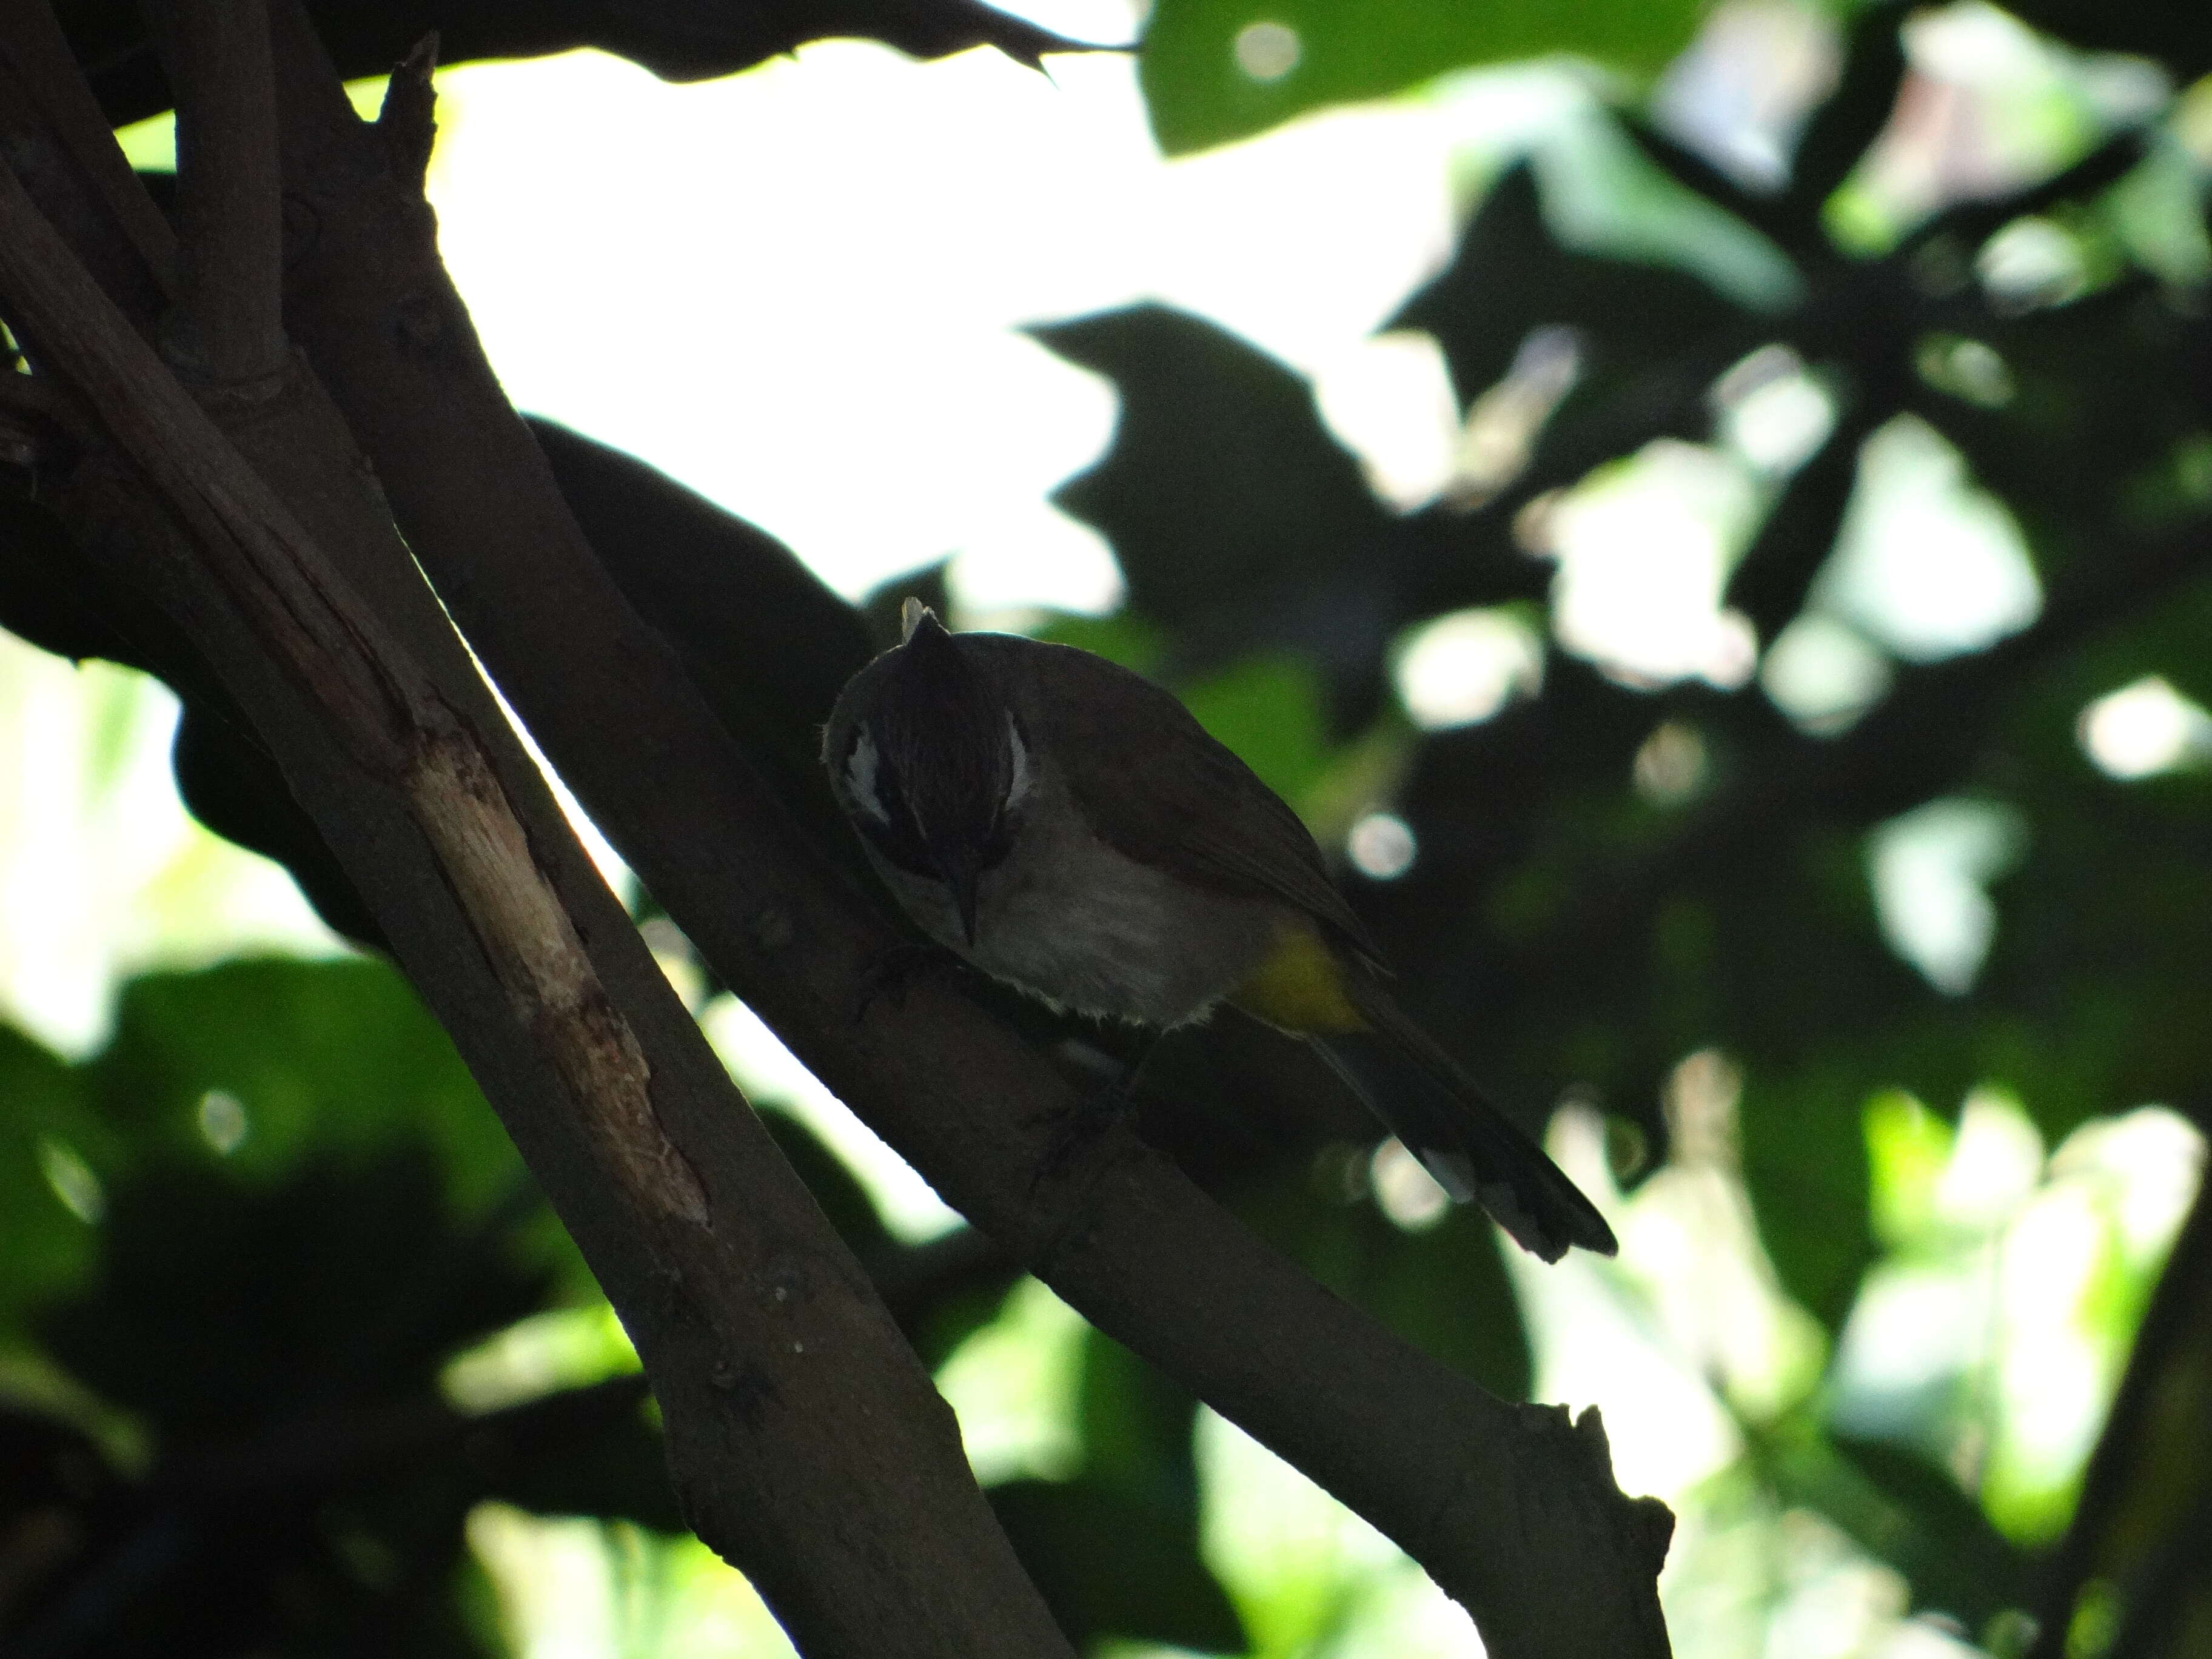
column 229, row 324
column 35, row 57
column 808, row 1442
column 2131, row 1498
column 1514, row 1511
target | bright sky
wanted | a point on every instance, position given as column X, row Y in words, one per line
column 798, row 290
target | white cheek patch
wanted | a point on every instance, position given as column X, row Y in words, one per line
column 1024, row 780
column 861, row 778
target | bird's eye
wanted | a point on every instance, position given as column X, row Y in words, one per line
column 880, row 809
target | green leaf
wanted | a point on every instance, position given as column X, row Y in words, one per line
column 1267, row 710
column 220, row 1306
column 317, row 1057
column 1908, row 1513
column 1137, row 1425
column 584, row 1451
column 1907, row 1147
column 47, row 1250
column 1108, row 1565
column 1805, row 1161
column 1442, row 1288
column 1218, row 70
column 1222, row 489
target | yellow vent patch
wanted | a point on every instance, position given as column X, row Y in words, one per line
column 1300, row 986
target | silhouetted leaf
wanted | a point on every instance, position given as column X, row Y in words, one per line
column 1239, row 522
column 1510, row 275
column 1108, row 1565
column 587, row 1451
column 220, row 1306
column 676, row 39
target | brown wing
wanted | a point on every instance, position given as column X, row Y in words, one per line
column 1156, row 786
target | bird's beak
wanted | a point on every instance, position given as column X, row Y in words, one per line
column 963, row 896
column 958, row 867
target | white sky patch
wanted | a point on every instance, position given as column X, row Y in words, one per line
column 1592, row 1344
column 2032, row 261
column 1740, row 90
column 1015, row 1385
column 1644, row 548
column 1390, row 399
column 1930, row 869
column 1772, row 412
column 1498, row 436
column 1915, row 1326
column 1930, row 1314
column 2144, row 729
column 771, row 1075
column 1996, row 1160
column 102, row 872
column 1267, row 51
column 1467, row 666
column 2117, row 1190
column 2154, row 1156
column 1381, row 847
column 1925, row 564
column 1994, row 1336
column 1822, row 673
column 797, row 289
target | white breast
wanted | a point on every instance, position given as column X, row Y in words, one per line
column 1067, row 919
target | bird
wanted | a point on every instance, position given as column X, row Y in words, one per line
column 1067, row 827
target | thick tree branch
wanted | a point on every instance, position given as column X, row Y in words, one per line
column 2130, row 1495
column 1511, row 1508
column 228, row 324
column 39, row 74
column 807, row 1442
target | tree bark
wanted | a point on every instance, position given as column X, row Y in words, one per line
column 1511, row 1509
column 808, row 1445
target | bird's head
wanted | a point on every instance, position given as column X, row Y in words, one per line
column 930, row 762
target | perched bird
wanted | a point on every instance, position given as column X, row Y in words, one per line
column 1068, row 827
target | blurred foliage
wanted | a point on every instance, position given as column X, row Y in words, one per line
column 1217, row 70
column 243, row 1244
column 244, row 1239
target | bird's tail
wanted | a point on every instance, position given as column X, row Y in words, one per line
column 1475, row 1152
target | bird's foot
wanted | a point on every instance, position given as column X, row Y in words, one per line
column 894, row 971
column 1072, row 1130
column 1098, row 1106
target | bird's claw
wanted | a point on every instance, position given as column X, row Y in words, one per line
column 1073, row 1129
column 892, row 973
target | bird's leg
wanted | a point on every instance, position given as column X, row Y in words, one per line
column 893, row 972
column 1152, row 1039
column 1097, row 1108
